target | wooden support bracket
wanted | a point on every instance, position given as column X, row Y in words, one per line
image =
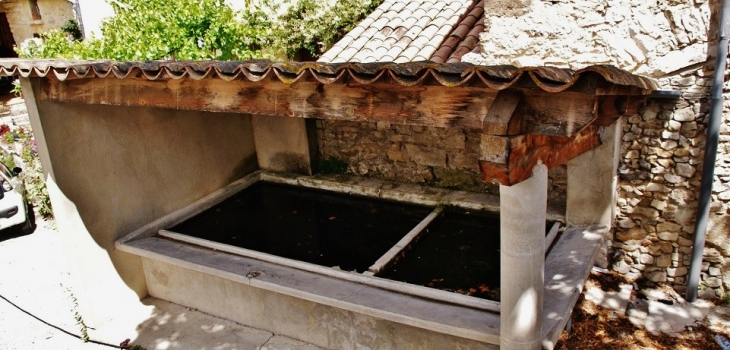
column 524, row 151
column 611, row 107
column 500, row 118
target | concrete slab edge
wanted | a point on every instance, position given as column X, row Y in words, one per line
column 492, row 338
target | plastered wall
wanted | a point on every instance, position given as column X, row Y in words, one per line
column 113, row 169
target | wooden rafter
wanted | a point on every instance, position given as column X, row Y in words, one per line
column 519, row 126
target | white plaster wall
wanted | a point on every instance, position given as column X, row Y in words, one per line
column 653, row 37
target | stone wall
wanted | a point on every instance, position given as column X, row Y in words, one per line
column 54, row 13
column 663, row 145
column 443, row 157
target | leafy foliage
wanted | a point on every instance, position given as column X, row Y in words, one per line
column 207, row 29
column 71, row 27
column 32, row 174
column 312, row 26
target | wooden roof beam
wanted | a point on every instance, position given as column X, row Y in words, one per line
column 508, row 160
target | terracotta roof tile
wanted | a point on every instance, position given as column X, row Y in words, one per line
column 407, row 30
column 464, row 37
column 550, row 79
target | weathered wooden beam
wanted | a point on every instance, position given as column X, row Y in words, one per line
column 499, row 119
column 428, row 105
column 611, row 107
column 526, row 150
column 555, row 114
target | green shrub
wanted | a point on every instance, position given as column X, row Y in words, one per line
column 72, row 28
column 206, row 29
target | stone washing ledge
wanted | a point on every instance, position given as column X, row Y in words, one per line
column 567, row 267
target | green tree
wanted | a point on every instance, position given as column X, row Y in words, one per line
column 209, row 29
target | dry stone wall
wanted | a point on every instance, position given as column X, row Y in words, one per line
column 443, row 157
column 662, row 146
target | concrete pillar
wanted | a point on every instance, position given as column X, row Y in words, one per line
column 592, row 181
column 285, row 144
column 522, row 258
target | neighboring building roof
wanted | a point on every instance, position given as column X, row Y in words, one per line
column 412, row 30
column 450, row 74
column 465, row 36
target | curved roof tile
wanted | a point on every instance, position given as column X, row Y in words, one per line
column 549, row 79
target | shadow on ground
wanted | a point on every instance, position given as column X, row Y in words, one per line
column 17, row 231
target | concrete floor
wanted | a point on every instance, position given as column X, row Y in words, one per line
column 36, row 278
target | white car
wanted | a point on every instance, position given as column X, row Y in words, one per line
column 13, row 203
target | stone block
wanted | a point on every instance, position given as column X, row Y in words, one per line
column 655, row 187
column 668, row 226
column 685, row 170
column 668, row 236
column 397, row 154
column 453, row 138
column 636, row 233
column 712, row 282
column 646, row 259
column 675, row 179
column 672, row 125
column 426, row 156
column 656, row 276
column 659, row 205
column 649, row 213
column 669, row 144
column 621, row 267
column 664, row 260
column 660, row 247
column 677, row 272
column 684, row 115
column 666, row 134
column 625, row 223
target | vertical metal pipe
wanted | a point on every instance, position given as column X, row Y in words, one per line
column 708, row 166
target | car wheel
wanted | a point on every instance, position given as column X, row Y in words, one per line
column 28, row 227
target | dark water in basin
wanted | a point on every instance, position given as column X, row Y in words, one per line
column 314, row 226
column 459, row 252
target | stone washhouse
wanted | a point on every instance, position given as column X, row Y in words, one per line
column 132, row 148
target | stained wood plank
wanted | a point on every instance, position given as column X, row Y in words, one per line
column 611, row 107
column 526, row 150
column 427, row 105
column 563, row 114
column 499, row 119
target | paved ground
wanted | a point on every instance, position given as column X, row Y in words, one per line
column 34, row 277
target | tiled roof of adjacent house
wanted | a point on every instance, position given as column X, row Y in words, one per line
column 412, row 30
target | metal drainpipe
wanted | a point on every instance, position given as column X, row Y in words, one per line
column 708, row 167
